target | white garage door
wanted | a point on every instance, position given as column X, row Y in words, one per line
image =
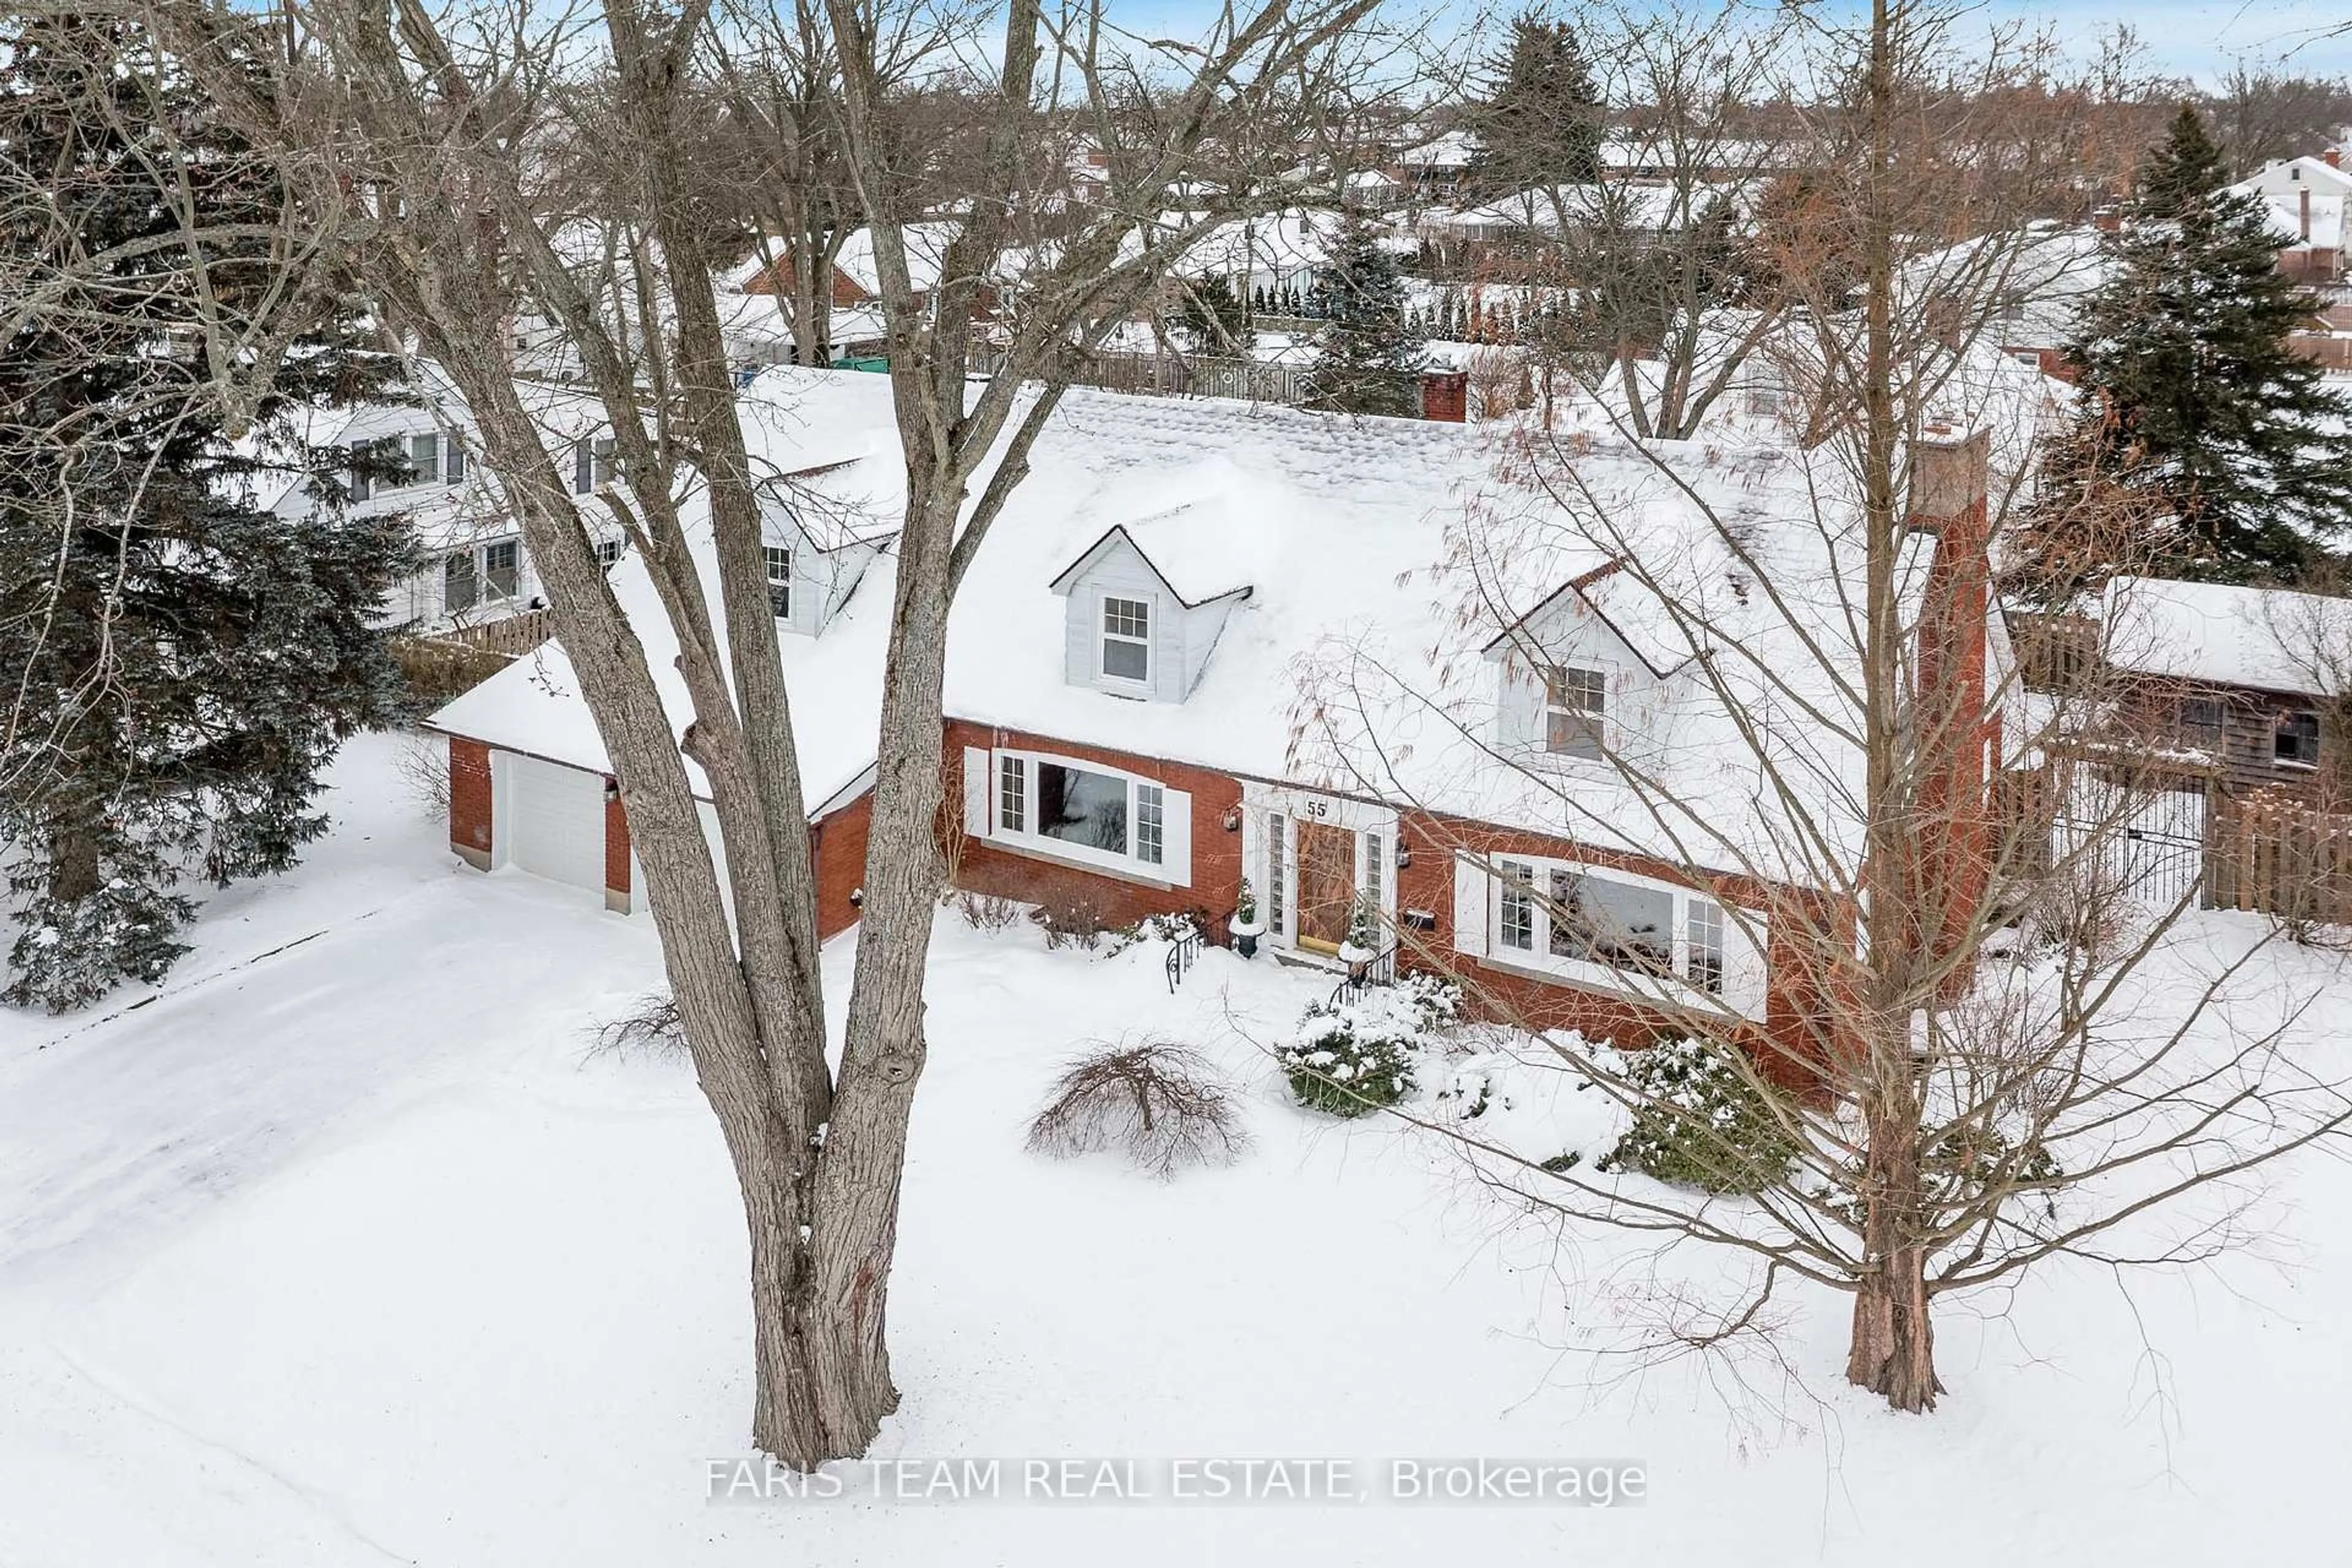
column 555, row 822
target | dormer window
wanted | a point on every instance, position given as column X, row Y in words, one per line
column 1576, row 702
column 780, row 580
column 1126, row 640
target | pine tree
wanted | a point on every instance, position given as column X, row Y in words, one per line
column 1213, row 314
column 191, row 659
column 2189, row 391
column 1365, row 354
column 1542, row 123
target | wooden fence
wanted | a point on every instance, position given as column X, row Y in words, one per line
column 1176, row 375
column 2279, row 857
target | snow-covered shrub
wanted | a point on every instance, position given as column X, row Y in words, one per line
column 985, row 911
column 1701, row 1121
column 1186, row 926
column 1159, row 1102
column 422, row 764
column 1358, row 1054
column 71, row 952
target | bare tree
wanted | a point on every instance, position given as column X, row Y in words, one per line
column 429, row 146
column 1976, row 1044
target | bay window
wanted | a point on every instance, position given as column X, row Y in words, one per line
column 1612, row 928
column 1082, row 811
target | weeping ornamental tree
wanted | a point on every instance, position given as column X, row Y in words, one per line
column 181, row 661
column 2189, row 386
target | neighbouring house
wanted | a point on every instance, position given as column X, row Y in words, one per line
column 1127, row 660
column 2306, row 197
column 2024, row 294
column 2219, row 737
column 756, row 294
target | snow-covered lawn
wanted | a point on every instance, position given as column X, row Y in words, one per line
column 350, row 1254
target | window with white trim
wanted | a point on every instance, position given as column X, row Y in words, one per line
column 1576, row 705
column 423, row 457
column 1093, row 813
column 503, row 568
column 610, row 551
column 1126, row 639
column 1277, row 885
column 1611, row 928
column 779, row 558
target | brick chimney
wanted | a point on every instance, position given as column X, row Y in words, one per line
column 1956, row 738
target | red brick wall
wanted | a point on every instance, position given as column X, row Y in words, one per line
column 838, row 846
column 470, row 801
column 983, row 867
column 617, row 845
column 1446, row 395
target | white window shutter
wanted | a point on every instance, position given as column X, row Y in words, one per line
column 977, row 777
column 1176, row 837
column 1469, row 906
column 1744, row 967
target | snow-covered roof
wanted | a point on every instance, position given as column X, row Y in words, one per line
column 1389, row 546
column 2272, row 639
column 926, row 248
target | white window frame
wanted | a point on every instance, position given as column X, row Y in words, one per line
column 1175, row 840
column 768, row 554
column 1598, row 718
column 1104, row 636
column 478, row 555
column 1533, row 875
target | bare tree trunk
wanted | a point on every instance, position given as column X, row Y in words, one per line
column 1892, row 1352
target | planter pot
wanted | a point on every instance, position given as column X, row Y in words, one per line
column 1352, row 955
column 1246, row 943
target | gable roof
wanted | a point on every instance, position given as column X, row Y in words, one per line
column 1194, row 566
column 1591, row 588
column 2270, row 640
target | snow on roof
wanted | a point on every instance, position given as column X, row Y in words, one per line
column 1453, row 150
column 2272, row 639
column 1390, row 546
column 926, row 248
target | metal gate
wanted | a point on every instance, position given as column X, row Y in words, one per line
column 2146, row 842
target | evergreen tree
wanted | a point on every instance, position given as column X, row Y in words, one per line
column 1213, row 314
column 1542, row 123
column 2189, row 393
column 1365, row 354
column 189, row 658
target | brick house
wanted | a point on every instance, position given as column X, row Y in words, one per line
column 1128, row 660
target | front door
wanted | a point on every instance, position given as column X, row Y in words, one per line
column 1327, row 884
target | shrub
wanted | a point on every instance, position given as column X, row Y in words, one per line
column 985, row 911
column 1703, row 1120
column 1186, row 926
column 650, row 1028
column 1358, row 1055
column 1158, row 1103
column 422, row 766
column 1069, row 923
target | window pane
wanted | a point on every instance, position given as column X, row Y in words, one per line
column 1148, row 823
column 1517, row 928
column 1705, row 967
column 1614, row 924
column 455, row 463
column 1012, row 795
column 423, row 457
column 1575, row 701
column 1126, row 660
column 1273, row 871
column 1373, row 868
column 498, row 566
column 2201, row 722
column 1127, row 617
column 779, row 581
column 1081, row 807
column 457, row 582
column 2298, row 738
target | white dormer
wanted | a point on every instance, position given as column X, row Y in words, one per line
column 816, row 547
column 1141, row 624
column 1571, row 682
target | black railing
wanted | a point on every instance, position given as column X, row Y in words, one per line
column 1182, row 955
column 1380, row 970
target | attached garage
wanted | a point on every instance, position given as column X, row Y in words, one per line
column 550, row 820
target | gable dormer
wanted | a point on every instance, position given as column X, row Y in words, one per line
column 817, row 545
column 1140, row 622
column 1575, row 677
